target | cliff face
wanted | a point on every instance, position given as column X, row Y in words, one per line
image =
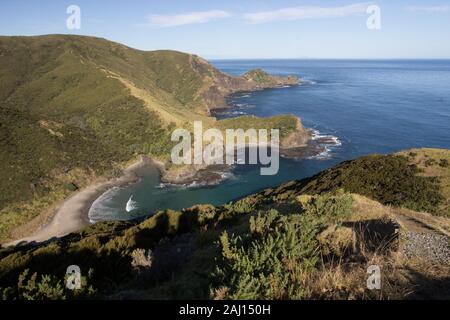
column 73, row 107
column 299, row 138
column 219, row 85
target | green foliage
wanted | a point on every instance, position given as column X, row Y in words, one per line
column 245, row 205
column 66, row 103
column 59, row 110
column 263, row 223
column 258, row 75
column 269, row 263
column 328, row 207
column 204, row 213
column 105, row 247
column 71, row 186
column 46, row 288
column 388, row 179
column 285, row 123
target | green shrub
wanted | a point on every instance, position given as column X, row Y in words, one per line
column 388, row 179
column 271, row 263
column 328, row 207
column 71, row 186
column 246, row 205
column 45, row 287
column 263, row 222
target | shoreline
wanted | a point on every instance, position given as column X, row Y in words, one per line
column 72, row 214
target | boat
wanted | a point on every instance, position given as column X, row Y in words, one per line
column 131, row 205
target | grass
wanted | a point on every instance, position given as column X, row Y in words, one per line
column 389, row 179
column 285, row 123
column 307, row 247
column 433, row 163
column 258, row 75
column 75, row 102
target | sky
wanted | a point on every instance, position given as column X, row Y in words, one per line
column 249, row 29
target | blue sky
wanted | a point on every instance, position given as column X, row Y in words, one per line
column 247, row 28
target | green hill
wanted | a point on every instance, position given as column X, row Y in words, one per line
column 73, row 108
column 308, row 239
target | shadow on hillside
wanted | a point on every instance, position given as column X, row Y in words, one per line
column 375, row 235
column 427, row 287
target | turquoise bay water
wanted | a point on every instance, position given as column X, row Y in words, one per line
column 370, row 106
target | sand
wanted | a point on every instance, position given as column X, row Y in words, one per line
column 72, row 214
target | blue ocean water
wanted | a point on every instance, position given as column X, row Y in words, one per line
column 369, row 106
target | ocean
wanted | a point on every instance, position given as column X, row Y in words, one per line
column 364, row 106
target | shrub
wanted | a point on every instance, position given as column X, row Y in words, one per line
column 71, row 186
column 271, row 263
column 141, row 259
column 327, row 206
column 444, row 163
column 246, row 205
column 429, row 162
column 389, row 179
column 45, row 287
column 263, row 222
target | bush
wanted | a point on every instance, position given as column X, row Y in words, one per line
column 141, row 259
column 389, row 179
column 32, row 287
column 327, row 206
column 269, row 263
column 444, row 163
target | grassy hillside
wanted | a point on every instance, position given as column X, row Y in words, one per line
column 73, row 108
column 277, row 244
column 390, row 179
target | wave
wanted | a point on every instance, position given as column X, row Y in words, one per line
column 326, row 141
column 310, row 82
column 101, row 204
column 131, row 205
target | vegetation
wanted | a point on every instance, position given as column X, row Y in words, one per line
column 74, row 108
column 87, row 105
column 389, row 179
column 258, row 75
column 271, row 262
column 285, row 123
column 281, row 243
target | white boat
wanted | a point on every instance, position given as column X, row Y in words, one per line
column 131, row 205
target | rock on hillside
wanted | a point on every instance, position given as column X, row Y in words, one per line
column 219, row 85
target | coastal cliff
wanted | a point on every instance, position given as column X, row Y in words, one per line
column 219, row 85
column 75, row 109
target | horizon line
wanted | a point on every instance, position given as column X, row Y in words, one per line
column 209, row 57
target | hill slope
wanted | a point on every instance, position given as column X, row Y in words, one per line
column 73, row 108
column 281, row 243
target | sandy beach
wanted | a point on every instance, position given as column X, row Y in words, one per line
column 72, row 214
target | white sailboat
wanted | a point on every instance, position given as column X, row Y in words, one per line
column 131, row 205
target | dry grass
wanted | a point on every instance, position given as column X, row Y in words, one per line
column 430, row 161
column 350, row 247
column 401, row 278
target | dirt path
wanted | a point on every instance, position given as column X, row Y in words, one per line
column 424, row 236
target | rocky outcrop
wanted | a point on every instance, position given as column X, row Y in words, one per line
column 219, row 85
column 298, row 138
